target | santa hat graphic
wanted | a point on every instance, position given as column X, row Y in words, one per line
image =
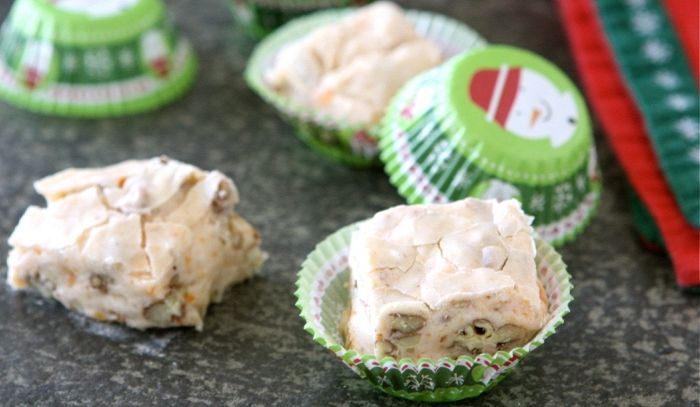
column 494, row 91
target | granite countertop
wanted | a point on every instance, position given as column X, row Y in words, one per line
column 631, row 338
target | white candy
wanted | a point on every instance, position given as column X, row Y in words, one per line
column 350, row 69
column 146, row 243
column 456, row 278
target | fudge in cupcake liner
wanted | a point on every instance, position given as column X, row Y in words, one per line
column 348, row 133
column 496, row 123
column 444, row 280
column 323, row 293
column 99, row 59
column 258, row 18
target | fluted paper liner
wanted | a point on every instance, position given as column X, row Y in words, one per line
column 322, row 296
column 426, row 166
column 258, row 18
column 349, row 143
column 92, row 63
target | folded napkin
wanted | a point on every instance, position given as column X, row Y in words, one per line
column 637, row 121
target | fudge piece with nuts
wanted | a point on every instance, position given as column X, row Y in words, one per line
column 350, row 69
column 145, row 243
column 444, row 280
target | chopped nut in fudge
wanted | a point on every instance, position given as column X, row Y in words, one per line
column 350, row 69
column 444, row 280
column 145, row 243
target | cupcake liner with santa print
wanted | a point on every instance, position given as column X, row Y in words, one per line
column 474, row 127
column 98, row 59
column 258, row 18
column 323, row 296
column 350, row 143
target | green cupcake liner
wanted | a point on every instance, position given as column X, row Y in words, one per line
column 428, row 165
column 322, row 296
column 352, row 144
column 116, row 62
column 258, row 18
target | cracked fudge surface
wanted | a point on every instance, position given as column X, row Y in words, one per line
column 350, row 69
column 444, row 280
column 145, row 243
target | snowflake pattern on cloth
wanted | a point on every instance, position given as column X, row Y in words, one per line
column 645, row 23
column 659, row 77
column 667, row 79
column 689, row 127
column 656, row 51
column 694, row 154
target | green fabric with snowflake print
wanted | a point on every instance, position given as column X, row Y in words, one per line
column 654, row 68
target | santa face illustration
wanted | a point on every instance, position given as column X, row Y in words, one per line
column 94, row 8
column 35, row 64
column 155, row 49
column 525, row 103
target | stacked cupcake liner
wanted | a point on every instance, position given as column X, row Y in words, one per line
column 426, row 167
column 92, row 66
column 350, row 143
column 323, row 295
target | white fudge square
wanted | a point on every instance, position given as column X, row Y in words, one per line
column 444, row 280
column 146, row 243
column 350, row 69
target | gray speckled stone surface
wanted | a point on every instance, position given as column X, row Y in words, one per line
column 631, row 338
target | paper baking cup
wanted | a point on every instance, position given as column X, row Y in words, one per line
column 323, row 295
column 435, row 153
column 92, row 59
column 352, row 144
column 258, row 18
